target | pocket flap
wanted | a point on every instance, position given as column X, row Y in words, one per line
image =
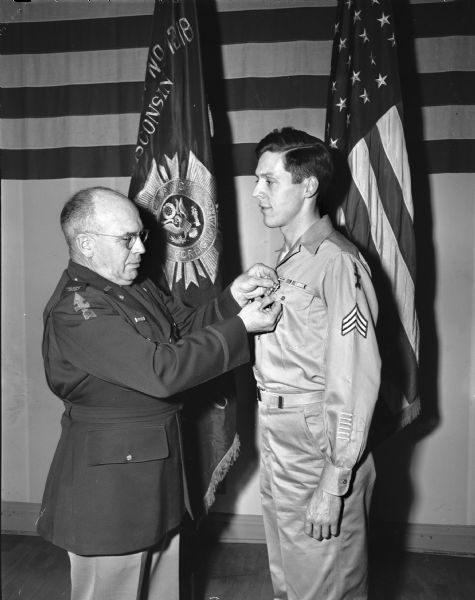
column 131, row 444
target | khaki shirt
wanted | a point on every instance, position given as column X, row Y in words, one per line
column 326, row 341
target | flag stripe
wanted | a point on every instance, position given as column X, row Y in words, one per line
column 276, row 59
column 62, row 163
column 76, row 130
column 303, row 57
column 236, row 26
column 435, row 55
column 439, row 123
column 62, row 100
column 104, row 98
column 391, row 134
column 391, row 205
column 42, row 70
column 453, row 156
column 48, row 10
column 384, row 239
column 240, row 94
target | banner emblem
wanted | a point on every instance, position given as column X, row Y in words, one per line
column 186, row 209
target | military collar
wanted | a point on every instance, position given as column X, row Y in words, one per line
column 83, row 274
column 316, row 234
column 311, row 239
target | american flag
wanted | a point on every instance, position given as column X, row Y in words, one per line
column 365, row 126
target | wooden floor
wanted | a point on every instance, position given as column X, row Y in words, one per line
column 35, row 570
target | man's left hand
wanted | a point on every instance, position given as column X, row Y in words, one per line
column 322, row 519
column 255, row 282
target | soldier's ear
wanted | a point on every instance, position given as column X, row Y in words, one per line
column 85, row 244
column 311, row 187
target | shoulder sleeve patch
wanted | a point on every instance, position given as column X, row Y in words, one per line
column 80, row 304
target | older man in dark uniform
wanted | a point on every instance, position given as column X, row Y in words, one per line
column 118, row 354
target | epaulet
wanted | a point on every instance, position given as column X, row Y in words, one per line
column 343, row 243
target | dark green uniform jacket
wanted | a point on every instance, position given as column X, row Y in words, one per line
column 119, row 357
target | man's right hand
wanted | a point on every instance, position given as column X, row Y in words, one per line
column 261, row 315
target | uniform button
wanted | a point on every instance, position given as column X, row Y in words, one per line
column 121, row 297
column 344, row 481
column 128, row 458
column 282, row 297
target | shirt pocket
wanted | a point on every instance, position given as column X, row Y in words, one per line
column 296, row 303
column 126, row 444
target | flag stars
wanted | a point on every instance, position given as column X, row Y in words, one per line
column 342, row 104
column 392, row 39
column 355, row 77
column 337, row 28
column 342, row 44
column 356, row 16
column 371, row 58
column 364, row 36
column 348, row 119
column 373, row 2
column 381, row 80
column 333, row 87
column 365, row 97
column 334, row 144
column 348, row 62
column 384, row 20
column 349, row 3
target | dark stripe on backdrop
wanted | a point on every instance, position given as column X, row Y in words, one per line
column 444, row 156
column 252, row 93
column 229, row 27
column 63, row 163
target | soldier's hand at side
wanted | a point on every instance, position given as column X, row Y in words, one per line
column 261, row 315
column 255, row 282
column 322, row 519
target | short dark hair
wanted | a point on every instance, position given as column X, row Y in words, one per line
column 303, row 155
column 78, row 213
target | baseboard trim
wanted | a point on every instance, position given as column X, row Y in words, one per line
column 19, row 518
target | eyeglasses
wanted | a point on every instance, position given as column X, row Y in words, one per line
column 128, row 238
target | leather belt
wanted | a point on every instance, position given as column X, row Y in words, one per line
column 110, row 414
column 275, row 400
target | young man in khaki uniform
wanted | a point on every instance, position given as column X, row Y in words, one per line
column 318, row 377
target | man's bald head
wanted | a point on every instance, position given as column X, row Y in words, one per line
column 89, row 209
column 104, row 232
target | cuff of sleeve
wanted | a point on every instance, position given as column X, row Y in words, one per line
column 234, row 339
column 335, row 480
column 226, row 306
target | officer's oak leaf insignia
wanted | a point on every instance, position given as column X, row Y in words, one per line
column 355, row 320
column 80, row 304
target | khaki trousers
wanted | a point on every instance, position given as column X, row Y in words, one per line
column 301, row 567
column 149, row 575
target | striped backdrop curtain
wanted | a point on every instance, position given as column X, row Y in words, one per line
column 72, row 77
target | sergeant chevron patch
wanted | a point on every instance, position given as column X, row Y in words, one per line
column 355, row 320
